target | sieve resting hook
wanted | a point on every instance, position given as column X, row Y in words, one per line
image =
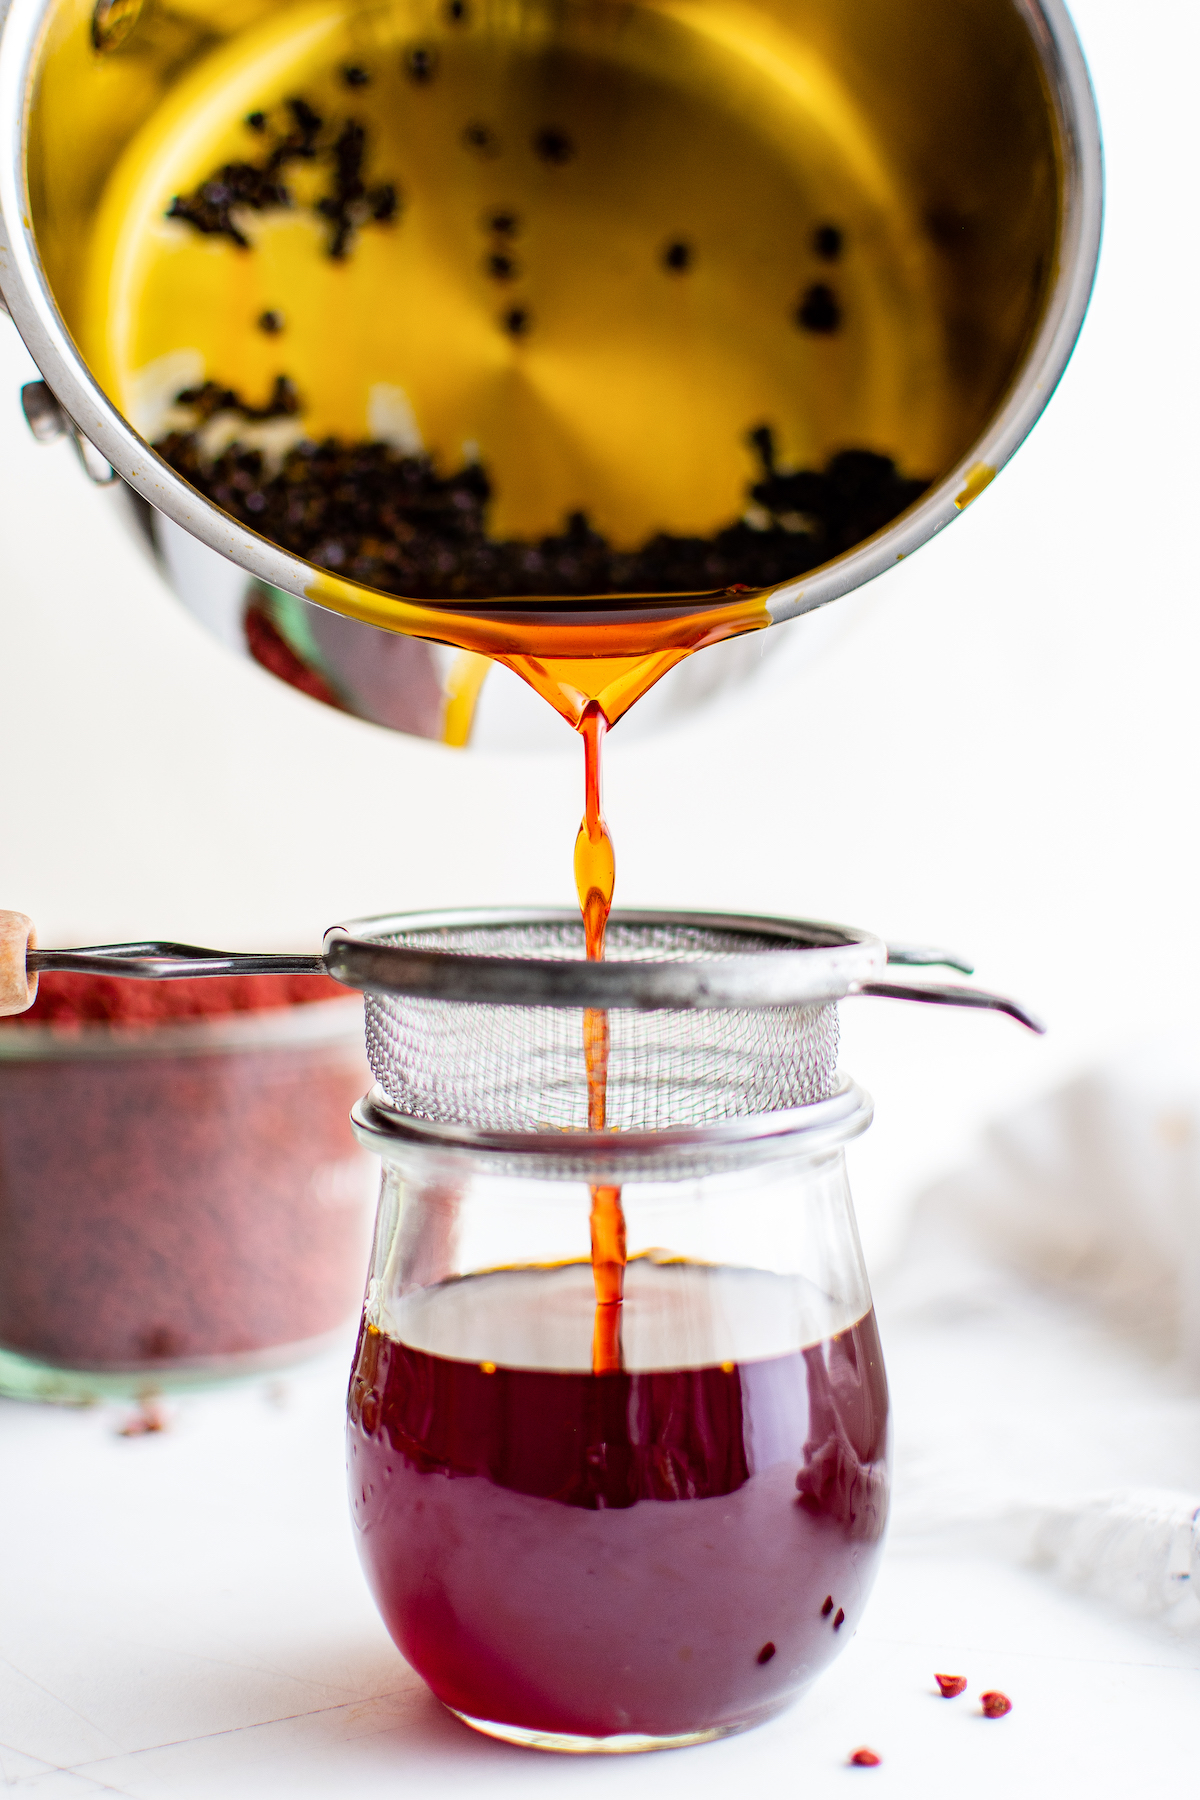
column 951, row 994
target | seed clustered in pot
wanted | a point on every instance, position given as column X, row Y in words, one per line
column 395, row 521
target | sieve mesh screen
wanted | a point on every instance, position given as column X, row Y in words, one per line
column 521, row 1068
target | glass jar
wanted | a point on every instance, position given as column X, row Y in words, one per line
column 180, row 1202
column 663, row 1552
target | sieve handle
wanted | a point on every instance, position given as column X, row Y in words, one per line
column 21, row 962
column 949, row 994
column 164, row 962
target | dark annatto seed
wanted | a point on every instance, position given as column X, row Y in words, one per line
column 516, row 321
column 950, row 1686
column 271, row 322
column 384, row 202
column 553, row 145
column 341, row 205
column 839, row 1619
column 995, row 1704
column 827, row 242
column 210, row 208
column 766, row 1653
column 420, row 63
column 308, row 123
column 458, row 12
column 827, row 1607
column 504, row 224
column 501, row 267
column 393, row 522
column 481, row 138
column 259, row 186
column 677, row 257
column 355, row 76
column 819, row 310
column 282, row 402
column 864, row 1758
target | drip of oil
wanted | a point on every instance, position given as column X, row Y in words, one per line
column 595, row 865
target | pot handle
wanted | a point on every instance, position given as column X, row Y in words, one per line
column 48, row 422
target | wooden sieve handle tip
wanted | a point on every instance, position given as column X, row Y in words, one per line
column 18, row 990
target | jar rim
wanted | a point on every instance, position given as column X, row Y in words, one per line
column 678, row 1151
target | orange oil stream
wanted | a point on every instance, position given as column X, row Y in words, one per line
column 591, row 667
column 595, row 875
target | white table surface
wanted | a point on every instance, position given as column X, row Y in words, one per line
column 182, row 1614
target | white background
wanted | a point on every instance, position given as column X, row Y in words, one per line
column 996, row 751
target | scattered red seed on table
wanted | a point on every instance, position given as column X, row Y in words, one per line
column 151, row 1418
column 864, row 1759
column 951, row 1685
column 995, row 1704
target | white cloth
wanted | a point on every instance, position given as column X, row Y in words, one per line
column 1041, row 1324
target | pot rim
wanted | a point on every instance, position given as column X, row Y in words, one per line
column 27, row 297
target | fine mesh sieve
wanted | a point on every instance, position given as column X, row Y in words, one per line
column 522, row 1068
column 475, row 1020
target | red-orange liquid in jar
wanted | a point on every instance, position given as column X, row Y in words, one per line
column 657, row 1550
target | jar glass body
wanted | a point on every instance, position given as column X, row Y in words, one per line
column 179, row 1204
column 659, row 1553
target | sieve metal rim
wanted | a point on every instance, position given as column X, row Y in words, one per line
column 817, row 963
column 676, row 1151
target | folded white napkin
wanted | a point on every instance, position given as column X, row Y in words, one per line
column 1042, row 1332
column 1094, row 1190
column 1136, row 1547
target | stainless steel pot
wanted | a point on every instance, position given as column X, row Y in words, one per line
column 980, row 121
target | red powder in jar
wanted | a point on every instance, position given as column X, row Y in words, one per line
column 107, row 999
column 170, row 1197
